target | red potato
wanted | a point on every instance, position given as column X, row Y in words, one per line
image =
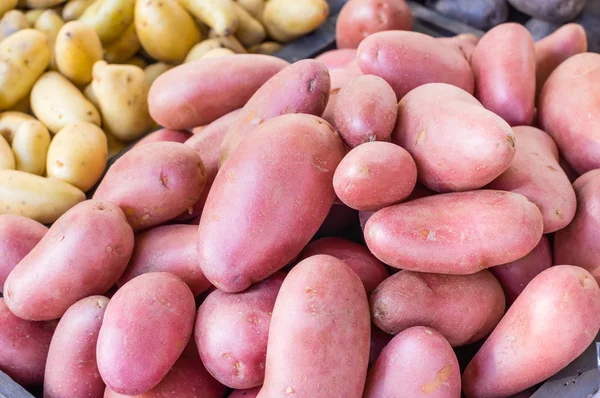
column 536, row 174
column 375, row 175
column 463, row 308
column 250, row 393
column 504, row 68
column 515, row 276
column 560, row 304
column 420, row 363
column 338, row 58
column 18, row 236
column 379, row 340
column 455, row 233
column 154, row 183
column 292, row 159
column 165, row 135
column 319, row 334
column 361, row 18
column 71, row 369
column 464, row 43
column 199, row 92
column 552, row 50
column 407, row 60
column 572, row 90
column 369, row 269
column 84, row 253
column 169, row 248
column 23, row 347
column 366, row 110
column 302, row 87
column 231, row 332
column 456, row 143
column 147, row 324
column 339, row 78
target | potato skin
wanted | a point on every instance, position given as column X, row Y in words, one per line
column 23, row 347
column 409, row 59
column 84, row 253
column 563, row 302
column 199, row 92
column 329, row 326
column 76, row 50
column 455, row 233
column 464, row 43
column 369, row 269
column 570, row 90
column 71, row 368
column 231, row 254
column 336, row 59
column 504, row 69
column 550, row 10
column 124, row 48
column 18, row 236
column 163, row 135
column 456, row 143
column 109, row 18
column 169, row 248
column 420, row 363
column 361, row 18
column 30, row 147
column 7, row 157
column 286, row 20
column 10, row 121
column 12, row 22
column 232, row 330
column 154, row 183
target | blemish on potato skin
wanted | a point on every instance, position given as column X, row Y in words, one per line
column 421, row 135
column 290, row 390
column 510, row 139
column 582, row 280
column 312, row 85
column 441, row 377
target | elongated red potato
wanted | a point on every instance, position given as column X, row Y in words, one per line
column 463, row 308
column 154, row 183
column 302, row 87
column 361, row 18
column 456, row 143
column 420, row 363
column 455, row 233
column 338, row 58
column 84, row 253
column 71, row 369
column 232, row 330
column 572, row 90
column 407, row 60
column 536, row 174
column 169, row 248
column 151, row 314
column 199, row 92
column 375, row 175
column 504, row 68
column 165, row 135
column 292, row 159
column 339, row 78
column 319, row 334
column 560, row 304
column 18, row 236
column 23, row 347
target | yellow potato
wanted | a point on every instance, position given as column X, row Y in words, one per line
column 167, row 32
column 30, row 147
column 78, row 155
column 10, row 122
column 33, row 15
column 207, row 45
column 41, row 199
column 73, row 9
column 114, row 145
column 49, row 23
column 287, row 20
column 6, row 5
column 7, row 158
column 12, row 22
column 122, row 91
column 89, row 93
column 254, row 7
column 42, row 3
column 218, row 52
column 249, row 31
column 137, row 61
column 109, row 18
column 155, row 70
column 267, row 48
column 56, row 102
column 124, row 47
column 220, row 15
column 23, row 58
column 77, row 48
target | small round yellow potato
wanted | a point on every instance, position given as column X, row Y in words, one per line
column 33, row 15
column 78, row 155
column 12, row 22
column 49, row 23
column 23, row 58
column 41, row 199
column 73, row 9
column 6, row 5
column 155, row 70
column 7, row 158
column 125, row 47
column 76, row 50
column 109, row 18
column 249, row 31
column 56, row 102
column 207, row 45
column 220, row 15
column 218, row 52
column 10, row 122
column 267, row 48
column 30, row 147
column 287, row 20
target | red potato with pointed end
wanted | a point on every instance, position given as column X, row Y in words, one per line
column 319, row 334
column 338, row 58
column 339, row 78
column 84, row 253
column 71, row 368
column 420, row 363
column 504, row 68
column 292, row 159
column 199, row 92
column 560, row 304
column 165, row 135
